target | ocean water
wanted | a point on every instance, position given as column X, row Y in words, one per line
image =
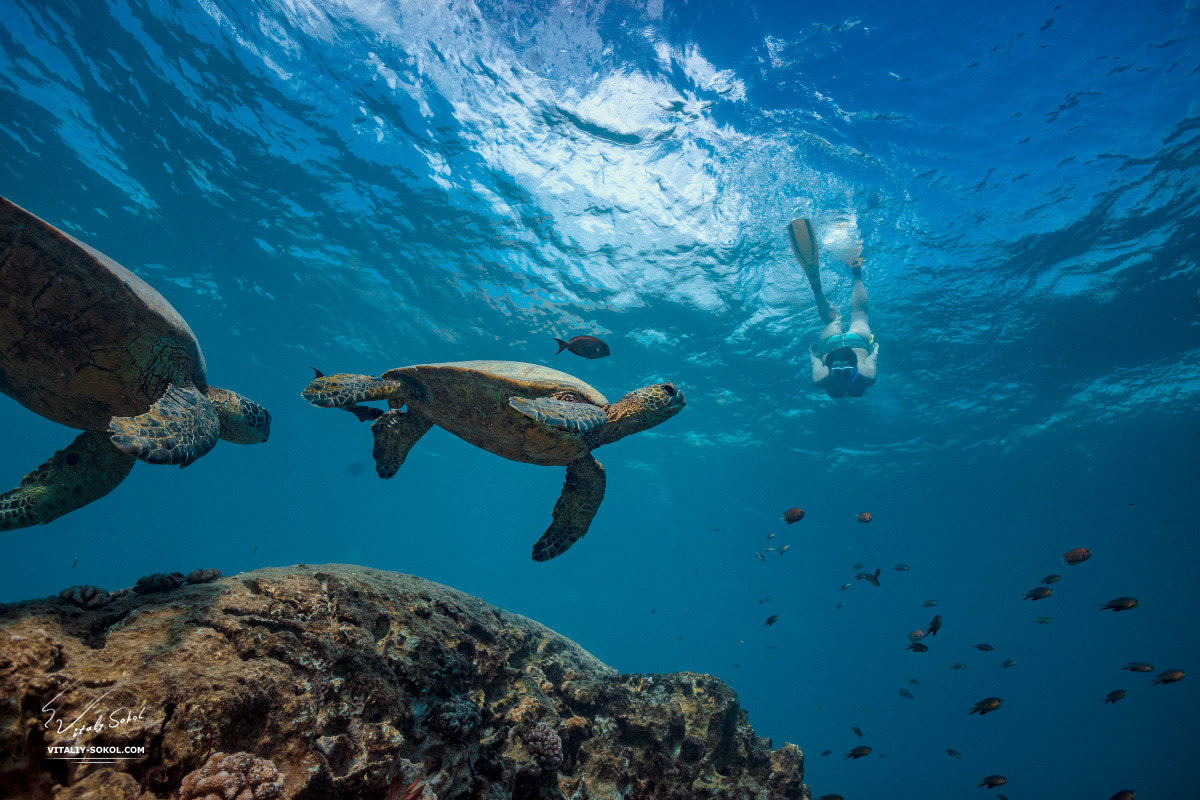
column 364, row 184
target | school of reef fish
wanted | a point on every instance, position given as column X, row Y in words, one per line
column 915, row 642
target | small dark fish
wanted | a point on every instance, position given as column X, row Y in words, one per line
column 906, row 694
column 914, row 681
column 987, row 648
column 255, row 550
column 859, row 752
column 935, row 625
column 929, row 604
column 1124, row 794
column 1121, row 604
column 985, row 705
column 992, row 781
column 1138, row 666
column 831, row 797
column 953, row 753
column 1169, row 676
column 840, row 604
column 845, row 586
column 1012, row 662
column 1044, row 620
column 654, row 611
column 771, row 620
column 864, row 516
column 901, row 568
column 762, row 600
column 1049, row 579
column 759, row 556
column 917, row 647
column 73, row 563
column 793, row 515
column 317, row 372
column 826, row 752
column 1114, row 695
column 860, row 565
column 1040, row 593
column 958, row 665
column 871, row 578
column 586, row 346
column 857, row 730
column 1077, row 555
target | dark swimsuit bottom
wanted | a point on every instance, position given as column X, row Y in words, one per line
column 842, row 340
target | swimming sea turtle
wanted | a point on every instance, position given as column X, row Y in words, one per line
column 86, row 343
column 523, row 412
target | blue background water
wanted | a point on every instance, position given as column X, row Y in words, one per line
column 360, row 185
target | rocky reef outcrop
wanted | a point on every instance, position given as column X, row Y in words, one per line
column 345, row 682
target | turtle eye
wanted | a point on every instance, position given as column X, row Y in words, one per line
column 669, row 389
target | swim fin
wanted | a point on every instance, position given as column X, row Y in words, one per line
column 804, row 243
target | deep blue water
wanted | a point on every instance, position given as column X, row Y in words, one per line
column 361, row 185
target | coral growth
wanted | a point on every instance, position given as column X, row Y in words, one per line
column 158, row 582
column 544, row 745
column 85, row 596
column 203, row 575
column 240, row 776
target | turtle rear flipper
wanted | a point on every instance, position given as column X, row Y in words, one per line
column 582, row 493
column 395, row 434
column 86, row 470
column 181, row 426
column 570, row 415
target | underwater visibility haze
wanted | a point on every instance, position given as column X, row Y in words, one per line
column 361, row 185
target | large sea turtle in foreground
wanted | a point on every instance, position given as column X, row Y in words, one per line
column 86, row 343
column 523, row 412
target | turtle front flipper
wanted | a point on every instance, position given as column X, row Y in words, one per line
column 395, row 434
column 181, row 426
column 570, row 415
column 346, row 390
column 582, row 493
column 86, row 470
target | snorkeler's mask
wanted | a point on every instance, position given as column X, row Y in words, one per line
column 843, row 364
column 844, row 373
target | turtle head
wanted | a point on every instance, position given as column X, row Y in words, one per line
column 640, row 410
column 243, row 421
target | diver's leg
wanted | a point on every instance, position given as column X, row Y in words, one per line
column 804, row 246
column 860, row 304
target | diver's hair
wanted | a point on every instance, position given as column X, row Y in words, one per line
column 843, row 355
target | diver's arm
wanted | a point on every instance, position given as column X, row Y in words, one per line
column 819, row 371
column 867, row 368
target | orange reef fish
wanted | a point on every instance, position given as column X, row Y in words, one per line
column 1077, row 555
column 1121, row 604
column 986, row 705
column 1170, row 676
column 1040, row 593
column 915, row 635
column 864, row 516
column 793, row 515
column 586, row 346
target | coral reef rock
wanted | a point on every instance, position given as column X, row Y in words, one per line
column 345, row 682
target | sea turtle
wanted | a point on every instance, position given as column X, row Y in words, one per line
column 86, row 343
column 522, row 412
